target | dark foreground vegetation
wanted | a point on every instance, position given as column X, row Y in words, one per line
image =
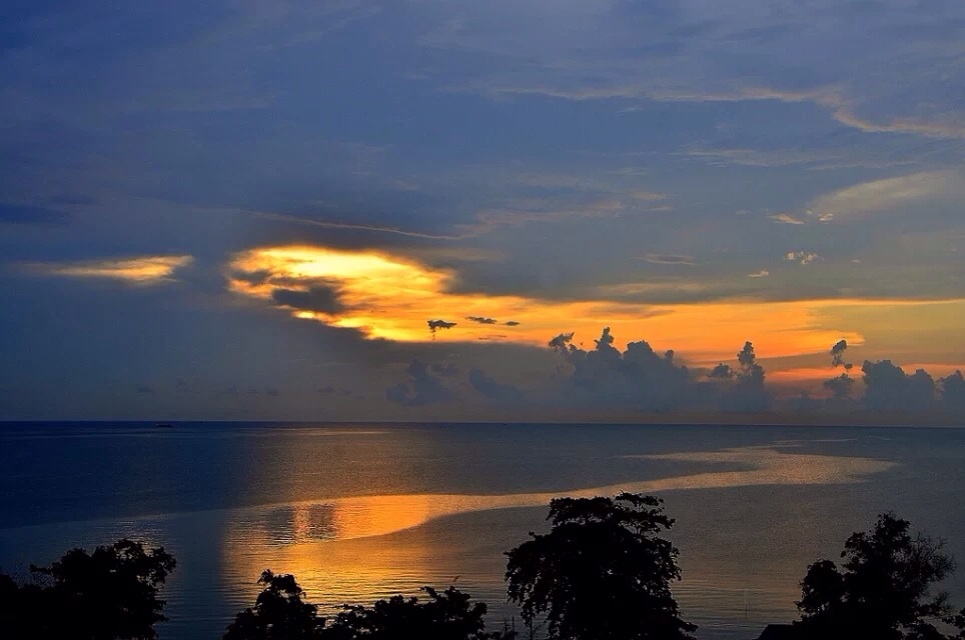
column 602, row 572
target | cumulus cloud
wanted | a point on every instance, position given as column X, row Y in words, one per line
column 141, row 270
column 422, row 388
column 637, row 378
column 561, row 341
column 640, row 378
column 445, row 369
column 801, row 257
column 840, row 387
column 888, row 387
column 837, row 354
column 953, row 391
column 492, row 389
column 749, row 393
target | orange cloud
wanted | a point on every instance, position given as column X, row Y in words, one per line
column 136, row 270
column 392, row 297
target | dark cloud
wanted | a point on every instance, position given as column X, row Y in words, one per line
column 953, row 391
column 317, row 298
column 749, row 393
column 561, row 341
column 840, row 387
column 422, row 388
column 492, row 389
column 888, row 387
column 28, row 214
column 435, row 325
column 143, row 388
column 641, row 378
column 251, row 277
column 637, row 378
column 721, row 372
column 446, row 369
column 482, row 320
column 511, row 323
column 837, row 354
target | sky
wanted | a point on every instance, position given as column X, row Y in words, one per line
column 360, row 210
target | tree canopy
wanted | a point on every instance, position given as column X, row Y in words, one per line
column 602, row 571
column 883, row 589
column 279, row 613
column 446, row 615
column 109, row 594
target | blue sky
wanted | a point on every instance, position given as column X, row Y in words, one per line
column 703, row 172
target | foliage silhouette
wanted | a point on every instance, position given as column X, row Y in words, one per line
column 278, row 614
column 884, row 591
column 602, row 572
column 110, row 594
column 449, row 615
column 281, row 614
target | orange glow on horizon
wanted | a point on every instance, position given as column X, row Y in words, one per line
column 391, row 297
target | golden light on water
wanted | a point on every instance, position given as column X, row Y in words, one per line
column 329, row 544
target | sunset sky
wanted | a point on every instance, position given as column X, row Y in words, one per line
column 386, row 210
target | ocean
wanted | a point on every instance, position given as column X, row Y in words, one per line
column 362, row 511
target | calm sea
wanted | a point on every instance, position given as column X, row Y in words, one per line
column 362, row 511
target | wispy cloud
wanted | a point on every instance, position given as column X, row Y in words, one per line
column 841, row 109
column 947, row 129
column 888, row 193
column 328, row 224
column 810, row 159
column 763, row 273
column 671, row 259
column 140, row 270
column 785, row 218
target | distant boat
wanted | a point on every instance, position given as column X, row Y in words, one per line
column 164, row 425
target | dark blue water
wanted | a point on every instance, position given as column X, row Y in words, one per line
column 362, row 511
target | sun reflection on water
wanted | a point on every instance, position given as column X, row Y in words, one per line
column 328, row 543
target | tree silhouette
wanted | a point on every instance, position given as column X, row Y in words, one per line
column 278, row 614
column 884, row 591
column 110, row 594
column 602, row 572
column 449, row 615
